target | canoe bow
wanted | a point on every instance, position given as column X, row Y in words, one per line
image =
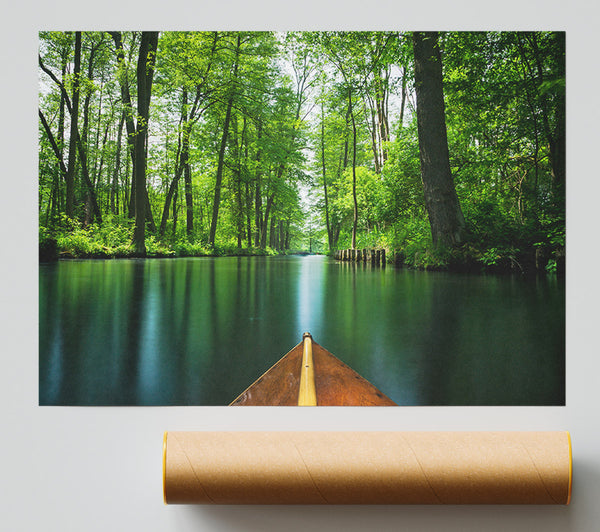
column 309, row 375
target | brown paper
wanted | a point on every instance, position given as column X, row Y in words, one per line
column 367, row 467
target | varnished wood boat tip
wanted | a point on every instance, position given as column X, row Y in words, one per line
column 307, row 396
column 309, row 375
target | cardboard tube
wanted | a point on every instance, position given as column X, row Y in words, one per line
column 367, row 467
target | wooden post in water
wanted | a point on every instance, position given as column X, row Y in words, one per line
column 383, row 258
column 377, row 257
column 372, row 257
column 398, row 258
column 358, row 255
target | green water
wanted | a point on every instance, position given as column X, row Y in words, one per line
column 198, row 331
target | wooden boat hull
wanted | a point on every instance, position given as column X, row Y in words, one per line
column 335, row 383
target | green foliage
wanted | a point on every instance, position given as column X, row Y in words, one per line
column 112, row 239
column 183, row 248
column 490, row 257
column 551, row 266
column 293, row 99
column 488, row 224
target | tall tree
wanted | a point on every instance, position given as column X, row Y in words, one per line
column 445, row 214
column 186, row 63
column 548, row 72
column 219, row 177
column 344, row 50
column 324, row 176
column 145, row 73
column 70, row 176
column 122, row 74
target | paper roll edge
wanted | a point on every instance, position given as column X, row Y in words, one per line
column 570, row 467
column 164, row 467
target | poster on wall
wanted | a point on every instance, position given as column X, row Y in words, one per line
column 284, row 218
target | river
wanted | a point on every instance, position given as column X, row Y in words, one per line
column 198, row 331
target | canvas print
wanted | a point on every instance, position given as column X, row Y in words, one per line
column 302, row 218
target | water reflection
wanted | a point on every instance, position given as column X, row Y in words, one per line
column 199, row 331
column 310, row 295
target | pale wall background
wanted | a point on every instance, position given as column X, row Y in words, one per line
column 98, row 469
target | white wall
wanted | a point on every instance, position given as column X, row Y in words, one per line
column 98, row 469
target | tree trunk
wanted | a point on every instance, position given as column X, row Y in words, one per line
column 98, row 172
column 70, row 175
column 85, row 130
column 354, row 198
column 181, row 161
column 170, row 196
column 175, row 213
column 445, row 215
column 145, row 73
column 345, row 164
column 53, row 144
column 265, row 222
column 248, row 204
column 185, row 169
column 556, row 136
column 240, row 198
column 128, row 111
column 329, row 235
column 61, row 129
column 382, row 115
column 248, row 214
column 258, row 192
column 219, row 177
column 88, row 182
column 126, row 186
column 236, row 177
column 273, row 234
column 287, row 235
column 403, row 102
column 373, row 128
column 114, row 192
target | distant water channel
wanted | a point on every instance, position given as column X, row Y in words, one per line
column 198, row 331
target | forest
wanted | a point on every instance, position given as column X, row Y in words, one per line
column 446, row 149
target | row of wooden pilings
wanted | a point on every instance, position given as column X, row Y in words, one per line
column 375, row 257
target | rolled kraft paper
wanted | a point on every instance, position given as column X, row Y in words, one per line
column 367, row 467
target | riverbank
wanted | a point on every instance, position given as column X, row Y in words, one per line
column 472, row 259
column 51, row 250
column 466, row 258
column 463, row 259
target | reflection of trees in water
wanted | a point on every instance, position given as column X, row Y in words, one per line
column 131, row 353
column 493, row 341
column 199, row 331
column 440, row 344
column 51, row 366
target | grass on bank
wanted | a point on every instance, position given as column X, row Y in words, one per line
column 493, row 244
column 114, row 240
